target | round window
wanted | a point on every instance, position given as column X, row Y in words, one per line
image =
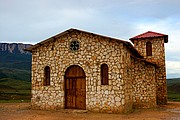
column 74, row 45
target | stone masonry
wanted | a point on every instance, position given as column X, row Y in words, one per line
column 132, row 80
column 158, row 57
column 144, row 84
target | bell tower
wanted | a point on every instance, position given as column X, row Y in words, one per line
column 151, row 46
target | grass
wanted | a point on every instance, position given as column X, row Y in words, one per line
column 14, row 101
column 173, row 86
column 15, row 74
column 12, row 90
column 15, row 77
column 174, row 97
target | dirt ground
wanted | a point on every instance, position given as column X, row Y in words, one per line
column 22, row 111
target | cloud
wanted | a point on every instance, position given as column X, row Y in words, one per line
column 22, row 18
column 173, row 69
column 31, row 21
column 170, row 27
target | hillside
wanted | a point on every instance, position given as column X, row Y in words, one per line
column 173, row 86
column 14, row 74
column 15, row 71
column 15, row 63
column 13, row 56
column 13, row 89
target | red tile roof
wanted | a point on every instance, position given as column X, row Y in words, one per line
column 150, row 34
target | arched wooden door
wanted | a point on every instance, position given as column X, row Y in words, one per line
column 75, row 88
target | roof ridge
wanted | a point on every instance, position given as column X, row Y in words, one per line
column 150, row 34
column 145, row 35
column 69, row 30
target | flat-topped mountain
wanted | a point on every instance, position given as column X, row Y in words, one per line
column 13, row 48
column 15, row 63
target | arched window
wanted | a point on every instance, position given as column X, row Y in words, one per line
column 104, row 74
column 46, row 76
column 148, row 49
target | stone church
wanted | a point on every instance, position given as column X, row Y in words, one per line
column 82, row 70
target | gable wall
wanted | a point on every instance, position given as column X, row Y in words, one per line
column 93, row 52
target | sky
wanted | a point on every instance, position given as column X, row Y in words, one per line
column 31, row 21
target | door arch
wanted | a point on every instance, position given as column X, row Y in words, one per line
column 75, row 88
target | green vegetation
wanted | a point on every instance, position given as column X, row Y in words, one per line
column 12, row 90
column 15, row 74
column 173, row 86
column 15, row 61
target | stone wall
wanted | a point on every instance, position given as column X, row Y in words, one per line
column 158, row 57
column 158, row 54
column 94, row 51
column 127, row 77
column 143, row 84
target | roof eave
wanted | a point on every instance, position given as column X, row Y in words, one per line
column 133, row 50
column 63, row 33
column 140, row 59
column 165, row 38
column 47, row 40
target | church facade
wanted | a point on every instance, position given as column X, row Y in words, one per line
column 81, row 70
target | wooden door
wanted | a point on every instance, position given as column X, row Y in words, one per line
column 75, row 88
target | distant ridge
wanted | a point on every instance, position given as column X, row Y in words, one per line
column 15, row 72
column 14, row 60
column 14, row 48
column 173, row 78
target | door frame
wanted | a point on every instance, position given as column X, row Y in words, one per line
column 75, row 77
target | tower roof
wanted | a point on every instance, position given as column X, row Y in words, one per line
column 150, row 34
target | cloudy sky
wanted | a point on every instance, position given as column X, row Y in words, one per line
column 31, row 21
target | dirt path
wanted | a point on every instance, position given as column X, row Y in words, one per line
column 22, row 111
